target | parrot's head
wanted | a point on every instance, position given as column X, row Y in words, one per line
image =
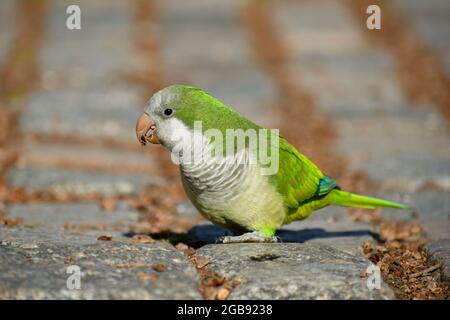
column 170, row 114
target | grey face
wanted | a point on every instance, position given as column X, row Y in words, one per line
column 158, row 123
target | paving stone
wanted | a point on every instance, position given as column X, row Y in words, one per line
column 344, row 76
column 102, row 114
column 405, row 149
column 78, row 182
column 68, row 223
column 366, row 81
column 110, row 269
column 429, row 19
column 215, row 56
column 439, row 252
column 107, row 271
column 7, row 25
column 292, row 271
column 29, row 236
column 318, row 27
column 329, row 226
column 105, row 40
column 56, row 215
column 86, row 95
column 346, row 79
column 92, row 158
column 187, row 29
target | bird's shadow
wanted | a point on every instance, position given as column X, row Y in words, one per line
column 204, row 234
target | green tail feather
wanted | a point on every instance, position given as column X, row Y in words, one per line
column 347, row 199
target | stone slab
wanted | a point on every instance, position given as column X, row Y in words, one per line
column 79, row 182
column 292, row 271
column 45, row 274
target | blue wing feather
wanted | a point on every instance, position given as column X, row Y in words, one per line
column 326, row 184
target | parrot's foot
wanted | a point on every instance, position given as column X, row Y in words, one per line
column 254, row 236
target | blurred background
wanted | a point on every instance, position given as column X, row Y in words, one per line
column 370, row 107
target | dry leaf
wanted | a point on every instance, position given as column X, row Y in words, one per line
column 11, row 222
column 104, row 238
column 142, row 238
column 147, row 277
column 223, row 294
column 160, row 267
column 182, row 246
column 108, row 204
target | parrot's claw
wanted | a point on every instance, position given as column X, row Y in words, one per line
column 254, row 236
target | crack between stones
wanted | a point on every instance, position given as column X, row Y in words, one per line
column 211, row 285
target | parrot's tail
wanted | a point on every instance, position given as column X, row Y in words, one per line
column 347, row 199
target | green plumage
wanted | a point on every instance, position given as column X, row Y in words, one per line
column 306, row 189
column 298, row 184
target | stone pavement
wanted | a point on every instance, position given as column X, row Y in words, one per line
column 429, row 20
column 78, row 129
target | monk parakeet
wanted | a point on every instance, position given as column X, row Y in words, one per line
column 232, row 187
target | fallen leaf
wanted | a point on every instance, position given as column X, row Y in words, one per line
column 185, row 249
column 160, row 267
column 213, row 280
column 104, row 238
column 182, row 246
column 403, row 235
column 209, row 293
column 11, row 222
column 108, row 204
column 223, row 294
column 142, row 238
column 146, row 277
column 417, row 255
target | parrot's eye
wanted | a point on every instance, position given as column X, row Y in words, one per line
column 168, row 112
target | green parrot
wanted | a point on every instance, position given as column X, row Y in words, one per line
column 232, row 187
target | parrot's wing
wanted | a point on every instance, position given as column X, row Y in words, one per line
column 298, row 179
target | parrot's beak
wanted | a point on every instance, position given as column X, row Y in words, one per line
column 146, row 130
